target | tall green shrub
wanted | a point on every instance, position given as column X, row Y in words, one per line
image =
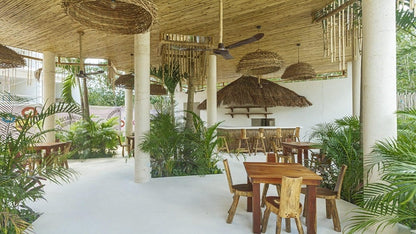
column 92, row 139
column 340, row 142
column 18, row 183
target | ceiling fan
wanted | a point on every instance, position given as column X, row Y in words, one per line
column 223, row 50
column 81, row 73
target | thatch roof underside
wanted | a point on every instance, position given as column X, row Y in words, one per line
column 43, row 25
column 247, row 91
column 127, row 82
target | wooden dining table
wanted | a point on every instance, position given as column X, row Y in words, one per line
column 48, row 147
column 301, row 147
column 272, row 173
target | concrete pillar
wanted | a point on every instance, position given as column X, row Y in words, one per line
column 356, row 83
column 141, row 105
column 48, row 91
column 212, row 91
column 128, row 102
column 379, row 74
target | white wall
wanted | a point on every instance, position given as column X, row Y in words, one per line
column 331, row 99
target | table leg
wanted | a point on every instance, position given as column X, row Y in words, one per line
column 249, row 199
column 300, row 155
column 256, row 208
column 311, row 209
column 306, row 157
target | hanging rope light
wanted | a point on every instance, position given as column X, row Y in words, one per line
column 114, row 16
column 10, row 59
column 299, row 70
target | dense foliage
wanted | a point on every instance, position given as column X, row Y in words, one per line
column 340, row 142
column 176, row 151
column 393, row 199
column 92, row 139
column 20, row 183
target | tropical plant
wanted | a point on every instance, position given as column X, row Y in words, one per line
column 393, row 199
column 18, row 182
column 175, row 150
column 340, row 142
column 171, row 76
column 92, row 139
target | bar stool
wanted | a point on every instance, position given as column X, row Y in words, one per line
column 243, row 140
column 223, row 145
column 260, row 137
column 297, row 134
column 277, row 141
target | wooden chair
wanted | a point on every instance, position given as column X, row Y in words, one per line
column 279, row 159
column 238, row 190
column 279, row 155
column 330, row 197
column 63, row 157
column 260, row 138
column 243, row 139
column 286, row 206
column 277, row 139
column 123, row 145
column 296, row 136
column 223, row 145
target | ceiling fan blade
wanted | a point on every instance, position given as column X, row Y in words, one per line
column 95, row 73
column 254, row 38
column 224, row 53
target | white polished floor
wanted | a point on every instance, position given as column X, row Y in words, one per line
column 104, row 199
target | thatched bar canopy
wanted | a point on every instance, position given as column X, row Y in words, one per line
column 252, row 91
column 127, row 82
column 9, row 58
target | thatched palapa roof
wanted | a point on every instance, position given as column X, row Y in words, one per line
column 252, row 91
column 127, row 82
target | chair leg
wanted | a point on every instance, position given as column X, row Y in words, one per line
column 287, row 225
column 265, row 220
column 263, row 195
column 264, row 146
column 122, row 151
column 278, row 224
column 328, row 208
column 299, row 225
column 335, row 217
column 255, row 145
column 233, row 208
column 305, row 204
column 248, row 147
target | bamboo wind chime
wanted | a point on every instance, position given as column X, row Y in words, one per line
column 189, row 52
column 410, row 4
column 342, row 29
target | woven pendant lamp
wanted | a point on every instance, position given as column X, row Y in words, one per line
column 299, row 71
column 113, row 16
column 260, row 62
column 10, row 59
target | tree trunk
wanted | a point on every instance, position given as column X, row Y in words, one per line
column 172, row 106
column 190, row 105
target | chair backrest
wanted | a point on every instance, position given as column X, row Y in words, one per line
column 228, row 173
column 243, row 134
column 67, row 147
column 261, row 132
column 271, row 157
column 297, row 134
column 289, row 197
column 338, row 186
column 279, row 133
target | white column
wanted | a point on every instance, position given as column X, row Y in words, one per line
column 356, row 83
column 128, row 102
column 212, row 91
column 379, row 74
column 141, row 105
column 48, row 91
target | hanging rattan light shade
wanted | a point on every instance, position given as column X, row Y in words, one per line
column 299, row 71
column 10, row 59
column 114, row 16
column 260, row 62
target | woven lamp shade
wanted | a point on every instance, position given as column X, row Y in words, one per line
column 299, row 71
column 10, row 59
column 260, row 62
column 113, row 16
column 127, row 82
